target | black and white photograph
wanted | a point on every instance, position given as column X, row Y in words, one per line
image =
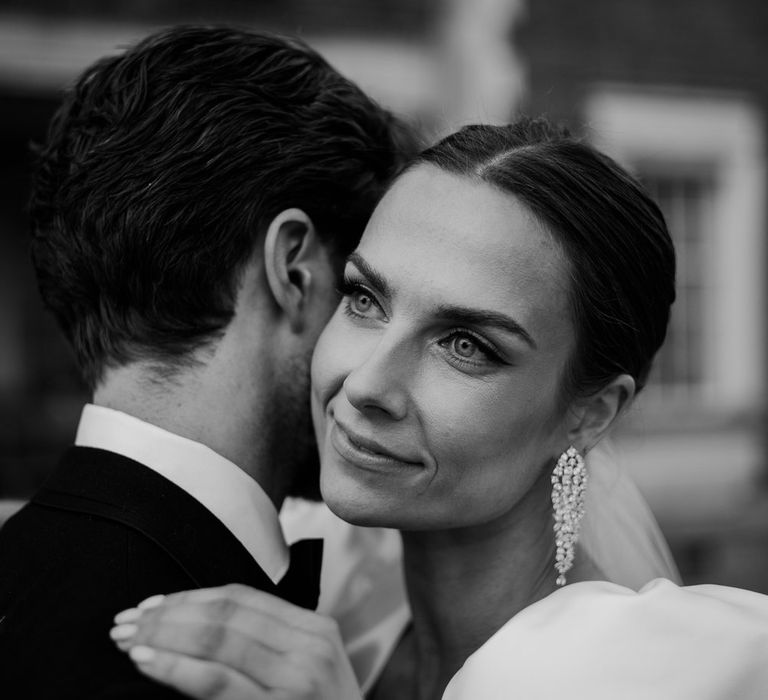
column 384, row 349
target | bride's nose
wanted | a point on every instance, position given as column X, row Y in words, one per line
column 379, row 382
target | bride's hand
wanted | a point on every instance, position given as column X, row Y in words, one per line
column 235, row 642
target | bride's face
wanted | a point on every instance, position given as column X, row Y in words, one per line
column 437, row 383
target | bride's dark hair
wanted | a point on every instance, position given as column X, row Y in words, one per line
column 622, row 260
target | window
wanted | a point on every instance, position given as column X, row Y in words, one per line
column 703, row 158
column 693, row 440
column 685, row 198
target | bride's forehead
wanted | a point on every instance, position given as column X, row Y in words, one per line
column 465, row 236
column 429, row 207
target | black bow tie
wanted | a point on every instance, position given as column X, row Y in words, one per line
column 301, row 583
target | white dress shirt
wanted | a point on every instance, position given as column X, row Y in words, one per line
column 215, row 482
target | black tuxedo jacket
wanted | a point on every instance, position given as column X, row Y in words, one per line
column 104, row 533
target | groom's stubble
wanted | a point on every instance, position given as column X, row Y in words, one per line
column 291, row 435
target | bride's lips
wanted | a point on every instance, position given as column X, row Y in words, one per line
column 365, row 452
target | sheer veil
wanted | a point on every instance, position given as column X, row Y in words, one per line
column 619, row 532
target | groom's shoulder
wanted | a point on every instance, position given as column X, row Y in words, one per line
column 63, row 560
column 64, row 574
column 63, row 555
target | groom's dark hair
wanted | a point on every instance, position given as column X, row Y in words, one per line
column 164, row 165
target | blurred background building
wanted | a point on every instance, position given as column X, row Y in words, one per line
column 674, row 89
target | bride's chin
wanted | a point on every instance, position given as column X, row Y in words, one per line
column 352, row 504
column 355, row 515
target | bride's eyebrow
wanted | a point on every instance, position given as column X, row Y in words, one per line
column 374, row 278
column 480, row 317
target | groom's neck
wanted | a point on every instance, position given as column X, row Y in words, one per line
column 203, row 402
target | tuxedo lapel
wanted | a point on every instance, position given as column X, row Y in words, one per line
column 107, row 485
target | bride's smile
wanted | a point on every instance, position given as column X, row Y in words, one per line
column 365, row 452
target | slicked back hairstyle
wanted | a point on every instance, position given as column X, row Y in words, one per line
column 622, row 260
column 164, row 165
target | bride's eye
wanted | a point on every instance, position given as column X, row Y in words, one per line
column 358, row 301
column 467, row 349
column 464, row 347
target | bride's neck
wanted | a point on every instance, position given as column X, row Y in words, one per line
column 464, row 584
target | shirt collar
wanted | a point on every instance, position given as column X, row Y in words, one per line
column 218, row 484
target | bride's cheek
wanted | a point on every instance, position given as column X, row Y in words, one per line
column 327, row 365
column 343, row 347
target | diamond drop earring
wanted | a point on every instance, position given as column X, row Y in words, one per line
column 569, row 481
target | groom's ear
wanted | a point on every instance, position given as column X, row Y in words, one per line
column 296, row 265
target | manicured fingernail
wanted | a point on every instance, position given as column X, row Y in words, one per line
column 122, row 632
column 152, row 602
column 130, row 615
column 142, row 655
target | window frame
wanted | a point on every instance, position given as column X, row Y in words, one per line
column 725, row 133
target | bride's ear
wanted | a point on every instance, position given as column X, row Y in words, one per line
column 594, row 415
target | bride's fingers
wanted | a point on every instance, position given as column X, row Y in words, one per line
column 231, row 649
column 203, row 628
column 211, row 644
column 258, row 646
column 204, row 680
column 230, row 596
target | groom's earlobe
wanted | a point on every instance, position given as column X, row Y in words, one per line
column 290, row 246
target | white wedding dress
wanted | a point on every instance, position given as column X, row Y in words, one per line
column 362, row 583
column 600, row 641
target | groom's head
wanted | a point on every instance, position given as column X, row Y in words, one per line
column 204, row 178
